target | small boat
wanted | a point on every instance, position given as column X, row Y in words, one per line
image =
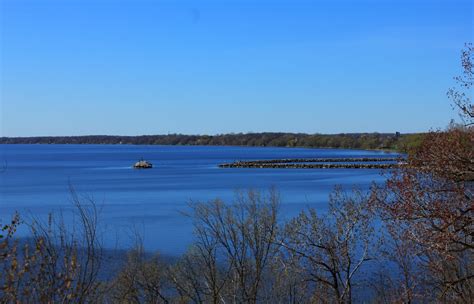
column 142, row 164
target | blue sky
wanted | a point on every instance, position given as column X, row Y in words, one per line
column 207, row 67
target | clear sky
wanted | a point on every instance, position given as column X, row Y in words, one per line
column 207, row 67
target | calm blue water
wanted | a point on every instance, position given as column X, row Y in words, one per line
column 36, row 181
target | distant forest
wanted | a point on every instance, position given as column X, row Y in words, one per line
column 384, row 141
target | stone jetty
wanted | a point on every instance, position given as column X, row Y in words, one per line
column 318, row 163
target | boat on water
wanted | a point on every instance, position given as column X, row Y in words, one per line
column 142, row 164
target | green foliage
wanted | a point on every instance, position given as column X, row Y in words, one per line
column 409, row 142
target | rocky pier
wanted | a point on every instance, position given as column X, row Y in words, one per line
column 319, row 163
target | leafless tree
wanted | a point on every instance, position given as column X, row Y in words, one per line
column 332, row 248
column 199, row 276
column 461, row 95
column 236, row 244
column 429, row 205
column 142, row 279
column 56, row 264
column 399, row 277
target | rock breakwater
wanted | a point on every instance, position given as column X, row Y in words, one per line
column 318, row 163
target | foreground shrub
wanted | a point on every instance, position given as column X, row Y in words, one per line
column 54, row 265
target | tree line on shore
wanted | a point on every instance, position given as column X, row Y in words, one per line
column 386, row 141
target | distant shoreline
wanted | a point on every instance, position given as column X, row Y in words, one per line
column 363, row 141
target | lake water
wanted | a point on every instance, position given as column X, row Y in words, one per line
column 35, row 181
